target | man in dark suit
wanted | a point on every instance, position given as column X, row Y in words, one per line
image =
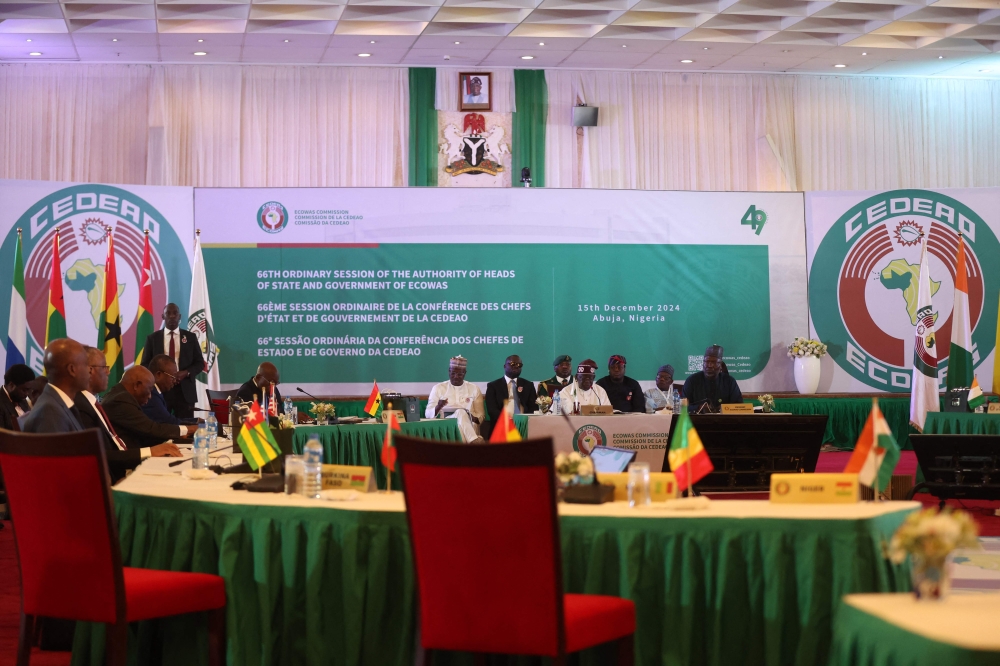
column 92, row 415
column 509, row 387
column 259, row 386
column 182, row 346
column 164, row 378
column 66, row 367
column 123, row 405
column 13, row 395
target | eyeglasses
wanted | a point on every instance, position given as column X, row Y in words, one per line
column 99, row 367
column 516, row 365
column 172, row 376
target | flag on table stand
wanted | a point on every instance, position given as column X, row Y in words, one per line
column 876, row 452
column 374, row 401
column 109, row 326
column 55, row 319
column 389, row 450
column 689, row 460
column 144, row 319
column 272, row 402
column 17, row 325
column 961, row 374
column 200, row 323
column 255, row 438
column 976, row 396
column 505, row 430
column 924, row 386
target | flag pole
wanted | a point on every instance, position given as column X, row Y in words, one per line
column 687, row 463
column 875, row 445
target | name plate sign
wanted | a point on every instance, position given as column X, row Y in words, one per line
column 349, row 477
column 993, row 408
column 590, row 410
column 814, row 488
column 662, row 485
column 738, row 408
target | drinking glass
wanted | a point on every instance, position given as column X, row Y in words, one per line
column 294, row 474
column 638, row 484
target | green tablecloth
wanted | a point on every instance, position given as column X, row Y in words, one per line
column 956, row 423
column 345, row 407
column 863, row 639
column 362, row 444
column 848, row 416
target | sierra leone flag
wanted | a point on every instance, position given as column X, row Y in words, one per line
column 255, row 438
column 961, row 374
column 17, row 325
column 689, row 460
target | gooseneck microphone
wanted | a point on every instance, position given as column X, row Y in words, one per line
column 299, row 389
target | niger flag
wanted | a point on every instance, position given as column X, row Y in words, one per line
column 686, row 450
column 505, row 430
column 55, row 320
column 144, row 318
column 109, row 327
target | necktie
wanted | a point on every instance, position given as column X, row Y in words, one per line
column 114, row 436
column 513, row 396
column 173, row 348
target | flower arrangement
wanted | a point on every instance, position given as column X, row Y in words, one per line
column 574, row 468
column 544, row 403
column 767, row 402
column 928, row 537
column 323, row 411
column 285, row 422
column 806, row 347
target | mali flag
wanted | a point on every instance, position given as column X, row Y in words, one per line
column 505, row 430
column 374, row 401
column 55, row 321
column 109, row 327
column 144, row 318
column 255, row 438
column 685, row 448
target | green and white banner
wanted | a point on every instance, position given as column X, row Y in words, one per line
column 338, row 287
column 864, row 259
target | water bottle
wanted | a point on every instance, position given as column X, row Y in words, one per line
column 289, row 409
column 312, row 459
column 677, row 401
column 199, row 458
column 212, row 426
column 556, row 403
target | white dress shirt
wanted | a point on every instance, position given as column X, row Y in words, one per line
column 177, row 343
column 574, row 395
column 20, row 412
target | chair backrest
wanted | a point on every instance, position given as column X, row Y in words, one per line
column 64, row 526
column 485, row 542
column 219, row 402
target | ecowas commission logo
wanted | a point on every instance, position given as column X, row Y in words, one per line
column 587, row 437
column 272, row 217
column 81, row 213
column 863, row 283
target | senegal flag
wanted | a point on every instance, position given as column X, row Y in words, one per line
column 109, row 326
column 55, row 322
column 687, row 454
column 144, row 318
column 255, row 438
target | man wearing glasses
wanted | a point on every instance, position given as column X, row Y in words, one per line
column 509, row 387
column 164, row 378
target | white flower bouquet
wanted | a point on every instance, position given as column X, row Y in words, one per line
column 324, row 411
column 805, row 347
column 932, row 535
column 544, row 403
column 285, row 422
column 767, row 402
column 574, row 468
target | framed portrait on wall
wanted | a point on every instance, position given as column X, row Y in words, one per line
column 475, row 91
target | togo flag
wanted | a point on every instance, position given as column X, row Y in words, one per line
column 109, row 327
column 924, row 386
column 876, row 453
column 685, row 448
column 960, row 370
column 17, row 325
column 144, row 318
column 255, row 438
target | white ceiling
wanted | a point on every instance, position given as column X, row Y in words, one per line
column 890, row 37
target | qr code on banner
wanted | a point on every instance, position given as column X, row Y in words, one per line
column 694, row 363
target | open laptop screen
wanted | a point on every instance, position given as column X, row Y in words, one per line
column 611, row 460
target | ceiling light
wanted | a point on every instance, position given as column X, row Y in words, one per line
column 864, row 54
column 457, row 43
column 200, row 53
column 840, row 65
column 940, row 57
column 35, row 53
column 372, row 42
column 624, row 46
column 114, row 40
column 364, row 55
column 541, row 43
column 286, row 41
column 200, row 41
column 27, row 40
column 704, row 48
column 527, row 57
column 685, row 61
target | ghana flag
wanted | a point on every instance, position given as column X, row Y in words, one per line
column 55, row 319
column 255, row 438
column 687, row 454
column 109, row 326
column 144, row 318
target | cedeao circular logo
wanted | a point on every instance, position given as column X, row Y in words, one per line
column 587, row 437
column 272, row 217
column 863, row 284
column 81, row 214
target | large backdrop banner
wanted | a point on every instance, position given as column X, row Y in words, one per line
column 340, row 287
column 82, row 213
column 864, row 259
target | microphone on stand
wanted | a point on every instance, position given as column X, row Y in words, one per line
column 308, row 394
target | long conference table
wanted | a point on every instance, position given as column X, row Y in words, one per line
column 318, row 582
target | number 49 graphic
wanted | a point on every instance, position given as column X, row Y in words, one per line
column 755, row 218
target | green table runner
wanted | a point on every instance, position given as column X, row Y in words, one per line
column 848, row 416
column 345, row 407
column 957, row 423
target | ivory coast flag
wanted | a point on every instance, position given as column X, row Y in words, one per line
column 255, row 438
column 144, row 319
column 505, row 430
column 374, row 401
column 109, row 326
column 686, row 447
column 961, row 373
column 55, row 320
column 924, row 385
column 876, row 452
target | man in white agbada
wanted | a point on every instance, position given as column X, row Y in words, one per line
column 459, row 400
column 582, row 391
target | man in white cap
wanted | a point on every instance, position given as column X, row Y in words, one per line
column 582, row 391
column 458, row 399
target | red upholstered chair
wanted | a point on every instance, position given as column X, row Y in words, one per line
column 219, row 402
column 68, row 549
column 485, row 541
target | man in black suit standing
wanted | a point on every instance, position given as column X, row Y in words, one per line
column 92, row 415
column 509, row 387
column 13, row 395
column 123, row 405
column 183, row 347
column 66, row 367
